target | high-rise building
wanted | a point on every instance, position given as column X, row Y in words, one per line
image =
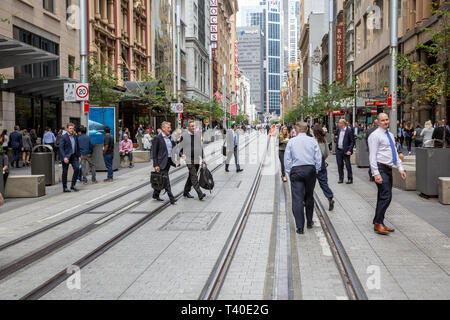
column 274, row 56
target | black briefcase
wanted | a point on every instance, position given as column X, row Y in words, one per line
column 158, row 181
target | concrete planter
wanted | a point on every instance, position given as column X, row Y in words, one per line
column 431, row 163
column 98, row 157
column 409, row 184
column 444, row 190
column 30, row 186
column 362, row 156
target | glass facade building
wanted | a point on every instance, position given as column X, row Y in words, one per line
column 273, row 57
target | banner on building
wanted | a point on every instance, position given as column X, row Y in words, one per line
column 339, row 57
column 234, row 110
column 213, row 12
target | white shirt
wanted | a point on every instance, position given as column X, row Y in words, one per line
column 380, row 150
column 341, row 139
column 302, row 150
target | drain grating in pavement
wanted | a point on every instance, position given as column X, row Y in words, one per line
column 227, row 184
column 191, row 221
column 261, row 212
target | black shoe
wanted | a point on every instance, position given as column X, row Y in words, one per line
column 331, row 203
column 239, row 170
column 309, row 225
column 350, row 181
column 341, row 181
column 202, row 196
column 157, row 198
column 172, row 201
column 66, row 190
column 188, row 195
column 299, row 230
column 74, row 189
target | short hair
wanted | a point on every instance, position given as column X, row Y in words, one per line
column 83, row 129
column 234, row 125
column 302, row 126
column 70, row 124
column 191, row 121
column 125, row 135
column 165, row 123
column 16, row 127
column 107, row 129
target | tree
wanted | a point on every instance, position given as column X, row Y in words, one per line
column 102, row 81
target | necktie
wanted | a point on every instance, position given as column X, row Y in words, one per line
column 394, row 154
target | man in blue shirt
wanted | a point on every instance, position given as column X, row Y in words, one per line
column 49, row 139
column 302, row 161
column 86, row 150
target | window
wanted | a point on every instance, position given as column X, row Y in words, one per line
column 71, row 66
column 48, row 5
column 68, row 14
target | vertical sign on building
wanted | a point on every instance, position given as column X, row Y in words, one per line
column 236, row 62
column 339, row 44
column 213, row 11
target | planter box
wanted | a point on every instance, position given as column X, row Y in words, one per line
column 409, row 184
column 353, row 157
column 432, row 164
column 362, row 156
column 25, row 186
column 444, row 190
column 141, row 156
column 98, row 157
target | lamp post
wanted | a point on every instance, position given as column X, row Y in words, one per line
column 330, row 56
column 393, row 8
column 179, row 59
column 83, row 55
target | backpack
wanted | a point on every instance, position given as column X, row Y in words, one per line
column 206, row 180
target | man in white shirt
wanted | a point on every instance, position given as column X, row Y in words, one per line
column 383, row 155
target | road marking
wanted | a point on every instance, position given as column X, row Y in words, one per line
column 115, row 214
column 58, row 214
column 323, row 243
column 90, row 201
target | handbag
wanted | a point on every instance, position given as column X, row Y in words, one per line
column 224, row 149
column 206, row 180
column 158, row 181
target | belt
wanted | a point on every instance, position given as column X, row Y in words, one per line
column 384, row 165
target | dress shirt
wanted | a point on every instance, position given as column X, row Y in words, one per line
column 235, row 138
column 72, row 141
column 168, row 142
column 126, row 145
column 341, row 139
column 380, row 151
column 301, row 151
column 49, row 138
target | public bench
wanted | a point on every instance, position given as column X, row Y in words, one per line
column 30, row 186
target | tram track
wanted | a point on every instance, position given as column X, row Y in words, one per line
column 53, row 282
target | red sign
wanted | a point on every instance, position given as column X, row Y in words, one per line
column 234, row 110
column 86, row 106
column 389, row 100
column 379, row 103
column 339, row 57
column 373, row 111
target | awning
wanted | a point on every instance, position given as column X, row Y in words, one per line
column 16, row 53
column 50, row 88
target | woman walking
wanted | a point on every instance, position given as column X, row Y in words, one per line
column 27, row 146
column 147, row 140
column 283, row 140
column 5, row 139
column 322, row 176
column 409, row 136
column 427, row 134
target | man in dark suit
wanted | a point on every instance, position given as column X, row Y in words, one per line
column 15, row 140
column 70, row 154
column 345, row 141
column 162, row 146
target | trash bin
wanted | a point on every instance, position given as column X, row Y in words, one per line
column 43, row 163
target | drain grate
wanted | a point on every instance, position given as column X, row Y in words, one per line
column 191, row 221
column 227, row 184
column 261, row 212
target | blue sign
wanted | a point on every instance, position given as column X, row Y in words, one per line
column 99, row 118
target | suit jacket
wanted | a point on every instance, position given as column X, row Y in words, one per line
column 159, row 152
column 185, row 147
column 15, row 139
column 349, row 140
column 65, row 146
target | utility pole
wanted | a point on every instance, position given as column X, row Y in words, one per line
column 83, row 56
column 330, row 60
column 393, row 8
column 210, row 86
column 179, row 59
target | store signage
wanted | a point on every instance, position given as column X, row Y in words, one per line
column 339, row 57
column 382, row 103
column 213, row 12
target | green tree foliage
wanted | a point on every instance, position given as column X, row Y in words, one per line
column 102, row 81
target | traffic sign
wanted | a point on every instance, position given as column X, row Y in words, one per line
column 82, row 91
column 69, row 92
column 177, row 107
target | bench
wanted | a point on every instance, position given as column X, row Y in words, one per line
column 31, row 186
column 141, row 156
column 125, row 161
column 444, row 190
column 410, row 183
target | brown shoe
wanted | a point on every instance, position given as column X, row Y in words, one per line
column 379, row 228
column 389, row 229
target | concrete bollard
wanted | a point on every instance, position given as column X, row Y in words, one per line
column 31, row 186
column 444, row 190
column 410, row 183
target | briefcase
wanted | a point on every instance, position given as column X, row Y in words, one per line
column 158, row 181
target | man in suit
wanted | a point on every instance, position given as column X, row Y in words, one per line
column 192, row 151
column 70, row 153
column 345, row 141
column 232, row 148
column 357, row 129
column 162, row 146
column 15, row 140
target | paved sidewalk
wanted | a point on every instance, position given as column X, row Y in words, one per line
column 411, row 263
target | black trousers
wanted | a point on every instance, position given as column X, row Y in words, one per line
column 227, row 161
column 303, row 181
column 73, row 160
column 281, row 156
column 384, row 194
column 340, row 158
column 192, row 180
column 408, row 143
column 168, row 189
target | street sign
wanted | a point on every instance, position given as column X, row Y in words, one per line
column 69, row 92
column 389, row 100
column 86, row 106
column 82, row 91
column 177, row 107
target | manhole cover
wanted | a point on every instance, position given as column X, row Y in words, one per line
column 191, row 221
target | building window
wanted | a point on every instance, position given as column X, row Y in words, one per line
column 71, row 66
column 48, row 5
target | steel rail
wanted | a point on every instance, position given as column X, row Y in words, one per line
column 217, row 276
column 352, row 283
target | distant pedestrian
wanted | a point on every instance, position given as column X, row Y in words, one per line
column 5, row 140
column 147, row 140
column 15, row 140
column 4, row 164
column 418, row 139
column 283, row 140
column 139, row 136
column 401, row 133
column 70, row 155
column 126, row 149
column 302, row 160
column 427, row 134
column 232, row 143
column 438, row 134
column 409, row 136
column 345, row 141
column 27, row 147
column 383, row 155
column 191, row 148
column 108, row 153
column 86, row 151
column 49, row 138
column 322, row 175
